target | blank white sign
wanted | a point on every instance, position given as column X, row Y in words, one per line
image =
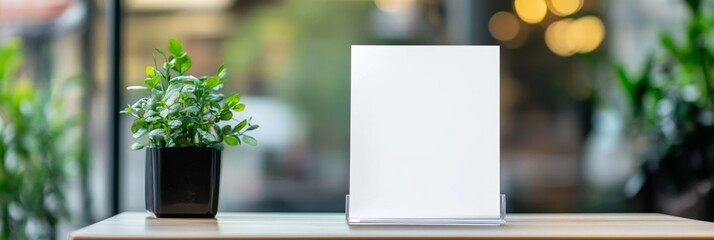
column 424, row 134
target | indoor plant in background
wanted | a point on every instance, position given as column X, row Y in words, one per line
column 41, row 146
column 182, row 117
column 672, row 107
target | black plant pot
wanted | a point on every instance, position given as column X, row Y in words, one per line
column 183, row 182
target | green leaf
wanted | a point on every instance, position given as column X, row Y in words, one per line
column 137, row 88
column 252, row 127
column 152, row 119
column 137, row 146
column 157, row 94
column 149, row 113
column 215, row 98
column 150, row 71
column 185, row 65
column 175, row 123
column 232, row 100
column 226, row 130
column 156, row 132
column 140, row 133
column 231, row 140
column 174, row 108
column 239, row 107
column 207, row 137
column 137, row 124
column 240, row 126
column 190, row 109
column 184, row 79
column 126, row 110
column 217, row 131
column 171, row 143
column 221, row 73
column 212, row 82
column 153, row 81
column 226, row 115
column 188, row 88
column 250, row 140
column 164, row 113
column 175, row 47
column 172, row 93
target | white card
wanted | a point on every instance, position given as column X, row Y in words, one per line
column 424, row 134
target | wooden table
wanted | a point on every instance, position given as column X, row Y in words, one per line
column 138, row 225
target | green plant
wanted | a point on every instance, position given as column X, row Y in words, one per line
column 671, row 103
column 183, row 110
column 39, row 143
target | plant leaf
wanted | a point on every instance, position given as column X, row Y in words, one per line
column 153, row 81
column 137, row 146
column 240, row 126
column 226, row 130
column 140, row 132
column 137, row 88
column 175, row 124
column 191, row 109
column 172, row 93
column 150, row 71
column 175, row 47
column 221, row 72
column 232, row 100
column 231, row 140
column 185, row 65
column 252, row 127
column 156, row 132
column 250, row 140
column 239, row 108
column 226, row 115
column 152, row 119
column 212, row 82
column 185, row 79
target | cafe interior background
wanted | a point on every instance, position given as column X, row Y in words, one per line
column 605, row 105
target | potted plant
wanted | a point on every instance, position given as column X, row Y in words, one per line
column 182, row 117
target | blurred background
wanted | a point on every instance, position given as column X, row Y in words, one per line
column 606, row 106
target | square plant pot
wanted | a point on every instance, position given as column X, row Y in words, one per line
column 183, row 182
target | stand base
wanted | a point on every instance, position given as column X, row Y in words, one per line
column 428, row 221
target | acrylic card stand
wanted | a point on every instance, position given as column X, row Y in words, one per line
column 424, row 136
column 428, row 221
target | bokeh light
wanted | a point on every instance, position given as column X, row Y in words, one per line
column 593, row 31
column 503, row 26
column 531, row 11
column 567, row 37
column 555, row 38
column 564, row 7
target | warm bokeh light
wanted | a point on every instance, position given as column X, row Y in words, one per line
column 531, row 11
column 567, row 37
column 503, row 26
column 393, row 5
column 564, row 7
column 594, row 32
column 556, row 36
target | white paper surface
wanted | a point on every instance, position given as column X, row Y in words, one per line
column 424, row 134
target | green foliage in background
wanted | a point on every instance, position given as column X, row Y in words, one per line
column 671, row 102
column 39, row 143
column 299, row 52
column 185, row 111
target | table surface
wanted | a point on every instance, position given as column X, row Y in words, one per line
column 139, row 225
